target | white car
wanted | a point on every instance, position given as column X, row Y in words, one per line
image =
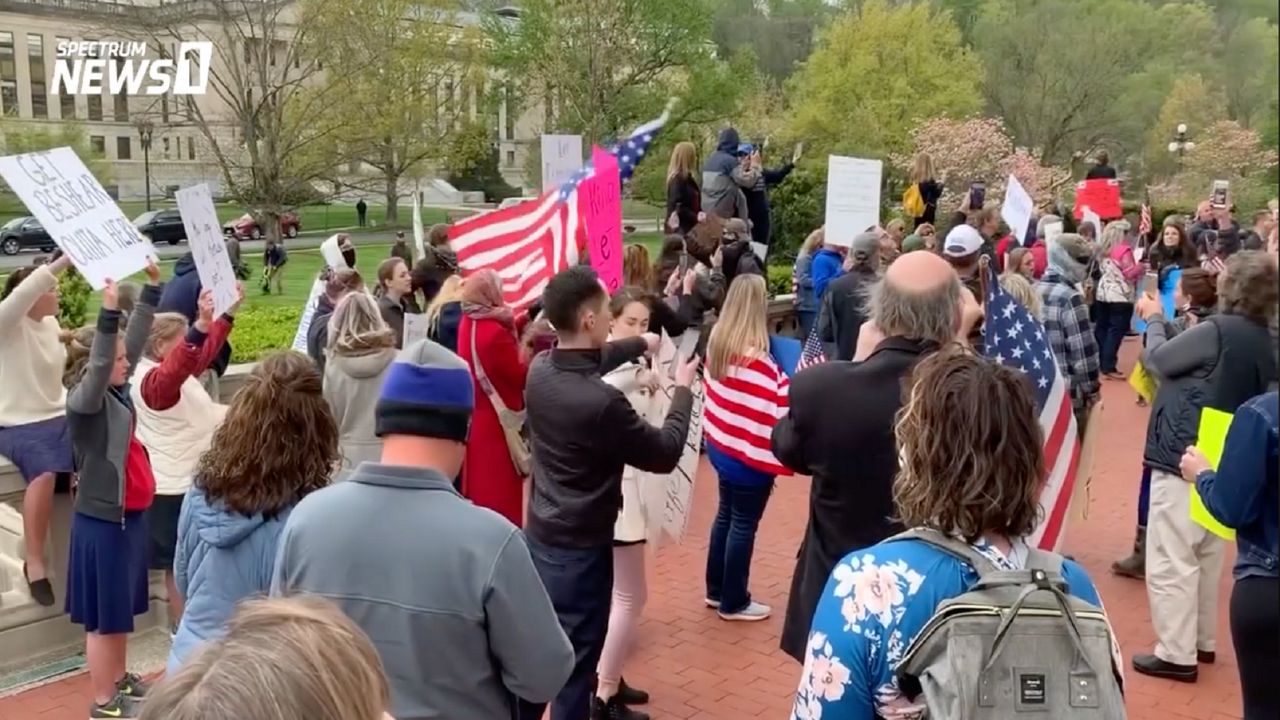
column 513, row 201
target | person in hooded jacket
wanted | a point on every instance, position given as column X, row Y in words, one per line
column 361, row 348
column 337, row 285
column 182, row 295
column 243, row 493
column 725, row 177
column 738, row 257
column 844, row 308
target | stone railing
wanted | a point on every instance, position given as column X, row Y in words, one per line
column 28, row 631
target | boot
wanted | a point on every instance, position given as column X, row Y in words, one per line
column 1134, row 566
column 614, row 710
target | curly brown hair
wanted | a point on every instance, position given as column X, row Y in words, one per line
column 970, row 447
column 1249, row 287
column 249, row 471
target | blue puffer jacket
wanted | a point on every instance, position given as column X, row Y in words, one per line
column 222, row 558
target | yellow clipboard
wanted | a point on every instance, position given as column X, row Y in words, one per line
column 1210, row 440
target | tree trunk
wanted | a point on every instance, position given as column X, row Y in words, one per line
column 393, row 197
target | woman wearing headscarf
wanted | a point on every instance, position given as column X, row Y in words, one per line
column 487, row 341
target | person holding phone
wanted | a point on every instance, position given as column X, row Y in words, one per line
column 758, row 194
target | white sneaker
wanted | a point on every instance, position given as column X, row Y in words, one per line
column 713, row 604
column 754, row 612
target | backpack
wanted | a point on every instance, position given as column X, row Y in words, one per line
column 1014, row 645
column 913, row 201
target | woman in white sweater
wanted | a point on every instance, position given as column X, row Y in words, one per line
column 33, row 406
column 630, row 311
column 361, row 348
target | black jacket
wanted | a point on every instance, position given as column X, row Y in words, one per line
column 445, row 331
column 758, row 202
column 1104, row 172
column 844, row 310
column 684, row 198
column 318, row 332
column 582, row 432
column 930, row 193
column 740, row 259
column 839, row 430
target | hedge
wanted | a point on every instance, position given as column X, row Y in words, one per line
column 259, row 331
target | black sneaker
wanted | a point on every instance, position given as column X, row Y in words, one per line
column 1155, row 667
column 614, row 710
column 628, row 695
column 119, row 707
column 1206, row 657
column 132, row 687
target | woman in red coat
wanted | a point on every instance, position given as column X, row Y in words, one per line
column 489, row 478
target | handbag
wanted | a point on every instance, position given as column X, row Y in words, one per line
column 512, row 421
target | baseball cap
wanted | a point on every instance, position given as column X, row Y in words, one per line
column 961, row 241
column 746, row 149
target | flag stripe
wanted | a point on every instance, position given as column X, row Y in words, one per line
column 741, row 410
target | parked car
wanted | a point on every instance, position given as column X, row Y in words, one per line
column 513, row 201
column 246, row 226
column 22, row 233
column 161, row 226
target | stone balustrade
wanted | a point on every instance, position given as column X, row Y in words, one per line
column 28, row 631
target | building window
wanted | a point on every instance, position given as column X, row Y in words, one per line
column 124, row 148
column 191, row 148
column 98, row 145
column 509, row 106
column 39, row 88
column 66, row 100
column 8, row 76
column 121, row 107
column 95, row 106
column 511, row 157
column 177, row 148
column 165, row 145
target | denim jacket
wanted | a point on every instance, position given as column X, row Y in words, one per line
column 806, row 300
column 1243, row 493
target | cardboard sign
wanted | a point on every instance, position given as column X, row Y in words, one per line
column 853, row 198
column 1101, row 194
column 602, row 214
column 561, row 158
column 415, row 328
column 308, row 313
column 1017, row 209
column 77, row 213
column 208, row 247
column 1211, row 440
column 667, row 498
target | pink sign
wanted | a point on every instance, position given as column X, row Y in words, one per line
column 602, row 214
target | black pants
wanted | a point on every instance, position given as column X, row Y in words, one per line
column 1110, row 323
column 1255, row 632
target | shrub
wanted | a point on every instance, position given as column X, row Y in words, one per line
column 798, row 207
column 779, row 279
column 259, row 331
column 74, row 294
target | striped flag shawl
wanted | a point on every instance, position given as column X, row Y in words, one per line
column 741, row 409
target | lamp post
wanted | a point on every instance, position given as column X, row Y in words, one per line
column 145, row 129
column 1180, row 144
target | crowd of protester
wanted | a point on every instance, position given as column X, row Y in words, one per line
column 525, row 443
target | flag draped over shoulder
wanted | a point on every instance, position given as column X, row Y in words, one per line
column 741, row 409
column 530, row 242
column 1012, row 337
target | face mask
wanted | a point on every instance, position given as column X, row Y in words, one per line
column 350, row 257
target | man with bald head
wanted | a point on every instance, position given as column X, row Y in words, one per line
column 839, row 427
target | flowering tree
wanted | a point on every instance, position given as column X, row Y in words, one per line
column 980, row 149
column 1225, row 151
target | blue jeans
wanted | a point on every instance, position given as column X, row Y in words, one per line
column 579, row 582
column 733, row 539
column 1111, row 322
column 807, row 318
column 1144, row 496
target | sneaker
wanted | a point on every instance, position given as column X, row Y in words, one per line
column 628, row 695
column 1155, row 667
column 614, row 710
column 119, row 707
column 132, row 686
column 1206, row 657
column 713, row 604
column 753, row 612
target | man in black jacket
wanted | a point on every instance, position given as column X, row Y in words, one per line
column 844, row 304
column 582, row 432
column 839, row 428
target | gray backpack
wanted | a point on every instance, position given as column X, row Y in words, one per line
column 1015, row 645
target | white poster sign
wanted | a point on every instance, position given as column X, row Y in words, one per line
column 667, row 498
column 308, row 313
column 1087, row 215
column 561, row 158
column 77, row 213
column 415, row 328
column 853, row 197
column 208, row 248
column 1017, row 209
column 1052, row 230
column 332, row 254
column 419, row 235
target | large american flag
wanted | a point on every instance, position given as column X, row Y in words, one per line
column 529, row 243
column 812, row 352
column 1015, row 339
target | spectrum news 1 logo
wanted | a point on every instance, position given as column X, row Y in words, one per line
column 94, row 66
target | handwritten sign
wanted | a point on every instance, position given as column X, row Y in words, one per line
column 561, row 158
column 415, row 328
column 308, row 313
column 1017, row 208
column 667, row 498
column 208, row 248
column 602, row 214
column 853, row 198
column 77, row 213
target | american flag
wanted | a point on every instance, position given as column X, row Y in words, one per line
column 812, row 352
column 1144, row 218
column 530, row 242
column 1015, row 339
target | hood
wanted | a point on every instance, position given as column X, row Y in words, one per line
column 186, row 264
column 218, row 526
column 1068, row 267
column 362, row 366
column 324, row 306
column 728, row 142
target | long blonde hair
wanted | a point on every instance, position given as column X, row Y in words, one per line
column 356, row 327
column 683, row 158
column 1113, row 234
column 295, row 658
column 922, row 168
column 450, row 291
column 742, row 331
column 814, row 242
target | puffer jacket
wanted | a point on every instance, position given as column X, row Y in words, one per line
column 1220, row 362
column 724, row 180
column 222, row 558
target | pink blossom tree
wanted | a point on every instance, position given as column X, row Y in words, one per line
column 1225, row 151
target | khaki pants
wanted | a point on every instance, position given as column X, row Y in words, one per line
column 1184, row 562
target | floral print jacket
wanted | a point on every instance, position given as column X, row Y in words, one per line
column 876, row 601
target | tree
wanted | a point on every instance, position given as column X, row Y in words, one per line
column 18, row 137
column 875, row 73
column 1192, row 102
column 1225, row 151
column 779, row 32
column 423, row 66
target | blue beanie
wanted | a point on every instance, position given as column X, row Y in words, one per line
column 428, row 392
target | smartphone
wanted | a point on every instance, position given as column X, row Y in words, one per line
column 977, row 195
column 1151, row 285
column 1219, row 197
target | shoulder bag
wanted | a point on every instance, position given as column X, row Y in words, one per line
column 512, row 421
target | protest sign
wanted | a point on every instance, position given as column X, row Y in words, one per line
column 419, row 235
column 415, row 328
column 208, row 248
column 602, row 214
column 1017, row 209
column 1087, row 215
column 1101, row 194
column 667, row 498
column 78, row 214
column 1052, row 230
column 332, row 253
column 308, row 313
column 853, row 198
column 1211, row 439
column 561, row 158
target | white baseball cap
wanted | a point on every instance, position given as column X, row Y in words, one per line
column 961, row 241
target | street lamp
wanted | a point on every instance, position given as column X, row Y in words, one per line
column 1180, row 144
column 145, row 129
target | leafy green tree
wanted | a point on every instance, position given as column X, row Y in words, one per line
column 18, row 137
column 1192, row 102
column 74, row 295
column 875, row 72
